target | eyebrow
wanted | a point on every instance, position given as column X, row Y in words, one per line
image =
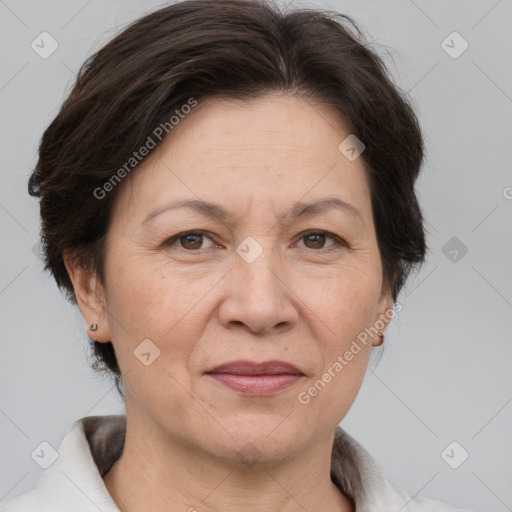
column 217, row 211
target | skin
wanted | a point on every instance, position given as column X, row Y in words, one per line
column 301, row 300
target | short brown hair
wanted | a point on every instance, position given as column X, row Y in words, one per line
column 239, row 49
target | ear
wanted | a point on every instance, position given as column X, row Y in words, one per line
column 90, row 298
column 384, row 314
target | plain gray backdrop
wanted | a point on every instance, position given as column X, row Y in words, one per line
column 445, row 375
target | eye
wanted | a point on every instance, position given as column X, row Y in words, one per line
column 316, row 240
column 189, row 240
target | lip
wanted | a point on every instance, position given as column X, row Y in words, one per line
column 256, row 379
column 253, row 368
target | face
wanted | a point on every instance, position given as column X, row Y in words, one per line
column 260, row 282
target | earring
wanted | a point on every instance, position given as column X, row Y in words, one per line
column 381, row 335
column 94, row 327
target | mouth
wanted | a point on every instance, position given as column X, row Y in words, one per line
column 256, row 379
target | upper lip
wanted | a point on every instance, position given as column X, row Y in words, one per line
column 255, row 368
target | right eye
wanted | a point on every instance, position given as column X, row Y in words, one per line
column 188, row 240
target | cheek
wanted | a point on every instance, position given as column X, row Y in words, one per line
column 345, row 310
column 346, row 302
column 145, row 305
column 150, row 300
column 346, row 307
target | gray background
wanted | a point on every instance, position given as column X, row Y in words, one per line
column 445, row 374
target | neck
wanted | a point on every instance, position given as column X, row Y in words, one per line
column 160, row 473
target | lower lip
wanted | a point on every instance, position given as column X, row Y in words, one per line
column 256, row 384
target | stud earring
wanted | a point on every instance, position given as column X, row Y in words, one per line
column 94, row 327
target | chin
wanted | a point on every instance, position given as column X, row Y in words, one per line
column 259, row 437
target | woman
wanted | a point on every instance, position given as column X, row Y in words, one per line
column 227, row 194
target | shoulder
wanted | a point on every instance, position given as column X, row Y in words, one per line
column 27, row 502
column 73, row 481
column 359, row 475
column 420, row 503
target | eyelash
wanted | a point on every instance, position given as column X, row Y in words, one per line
column 339, row 241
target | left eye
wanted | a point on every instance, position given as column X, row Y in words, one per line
column 317, row 238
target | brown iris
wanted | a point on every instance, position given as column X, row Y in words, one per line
column 194, row 241
column 318, row 240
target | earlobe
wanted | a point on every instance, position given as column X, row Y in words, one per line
column 90, row 298
column 384, row 316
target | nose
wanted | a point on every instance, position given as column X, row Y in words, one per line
column 258, row 296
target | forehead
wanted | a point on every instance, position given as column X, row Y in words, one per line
column 274, row 121
column 277, row 149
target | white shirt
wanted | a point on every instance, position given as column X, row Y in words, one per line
column 73, row 482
